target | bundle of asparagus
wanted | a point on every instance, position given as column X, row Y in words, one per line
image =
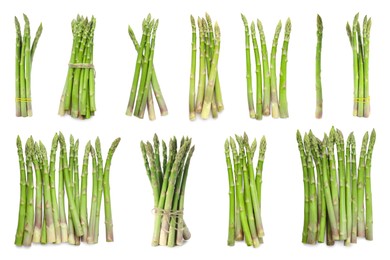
column 318, row 112
column 23, row 62
column 148, row 83
column 266, row 84
column 336, row 209
column 209, row 95
column 47, row 223
column 168, row 177
column 245, row 190
column 78, row 96
column 361, row 52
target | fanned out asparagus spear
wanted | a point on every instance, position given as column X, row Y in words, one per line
column 23, row 62
column 355, row 218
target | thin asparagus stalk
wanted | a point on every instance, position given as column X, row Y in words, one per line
column 193, row 71
column 283, row 72
column 239, row 235
column 76, row 185
column 360, row 188
column 274, row 91
column 312, row 226
column 26, row 41
column 366, row 37
column 361, row 98
column 318, row 112
column 92, row 215
column 354, row 189
column 251, row 108
column 83, row 197
column 202, row 68
column 38, row 199
column 212, row 75
column 17, row 67
column 259, row 79
column 240, row 195
column 106, row 189
column 231, row 195
column 266, row 71
column 99, row 187
column 71, row 235
column 61, row 203
column 306, row 187
column 29, row 221
column 22, row 74
column 133, row 93
column 355, row 64
column 369, row 220
column 348, row 192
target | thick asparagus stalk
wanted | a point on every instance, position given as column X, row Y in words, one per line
column 38, row 199
column 318, row 112
column 312, row 225
column 29, row 221
column 354, row 189
column 366, row 37
column 231, row 195
column 259, row 79
column 61, row 203
column 27, row 63
column 333, row 177
column 283, row 72
column 83, row 197
column 202, row 68
column 92, row 215
column 100, row 175
column 17, row 67
column 341, row 172
column 348, row 192
column 306, row 187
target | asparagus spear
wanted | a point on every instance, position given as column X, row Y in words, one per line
column 29, row 221
column 83, row 198
column 202, row 69
column 193, row 71
column 231, row 195
column 251, row 108
column 100, row 174
column 274, row 94
column 355, row 64
column 92, row 215
column 354, row 190
column 106, row 189
column 18, row 79
column 61, row 203
column 76, row 184
column 360, row 188
column 348, row 192
column 266, row 72
column 341, row 172
column 38, row 198
column 259, row 80
column 27, row 63
column 361, row 98
column 306, row 187
column 318, row 112
column 333, row 177
column 369, row 221
column 283, row 72
column 366, row 37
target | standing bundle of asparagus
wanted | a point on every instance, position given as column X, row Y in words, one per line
column 209, row 95
column 25, row 51
column 168, row 177
column 266, row 84
column 78, row 96
column 47, row 223
column 245, row 190
column 361, row 52
column 148, row 83
column 336, row 209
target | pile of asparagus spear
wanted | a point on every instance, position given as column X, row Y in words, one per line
column 361, row 53
column 168, row 177
column 78, row 96
column 209, row 95
column 25, row 51
column 47, row 222
column 334, row 200
column 266, row 82
column 245, row 190
column 145, row 70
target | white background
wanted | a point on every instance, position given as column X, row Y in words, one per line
column 206, row 210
